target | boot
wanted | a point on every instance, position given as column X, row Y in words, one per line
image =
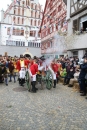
column 54, row 84
column 70, row 85
column 33, row 87
column 83, row 94
column 10, row 79
column 14, row 79
column 6, row 81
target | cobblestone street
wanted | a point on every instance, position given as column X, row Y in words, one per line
column 56, row 109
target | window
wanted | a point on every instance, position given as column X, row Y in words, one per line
column 14, row 31
column 35, row 14
column 59, row 8
column 39, row 44
column 31, row 22
column 39, row 16
column 85, row 26
column 23, row 12
column 22, row 32
column 18, row 20
column 39, row 23
column 23, row 43
column 14, row 12
column 18, row 11
column 75, row 25
column 17, row 32
column 75, row 53
column 28, row 2
column 8, row 31
column 83, row 23
column 14, row 43
column 31, row 33
column 30, row 44
column 31, row 13
column 23, row 2
column 51, row 44
column 38, row 34
column 22, row 20
column 32, row 6
column 33, row 44
column 35, row 23
column 35, row 7
column 14, row 19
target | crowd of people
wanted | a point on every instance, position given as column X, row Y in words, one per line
column 69, row 68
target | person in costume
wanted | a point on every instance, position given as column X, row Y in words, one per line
column 27, row 61
column 33, row 69
column 54, row 71
column 21, row 67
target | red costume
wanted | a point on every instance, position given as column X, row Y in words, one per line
column 34, row 68
column 27, row 61
column 19, row 64
column 54, row 67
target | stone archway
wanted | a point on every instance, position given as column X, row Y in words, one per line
column 28, row 54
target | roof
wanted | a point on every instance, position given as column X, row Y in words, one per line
column 43, row 15
column 65, row 1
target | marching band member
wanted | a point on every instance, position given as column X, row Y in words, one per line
column 34, row 69
column 21, row 67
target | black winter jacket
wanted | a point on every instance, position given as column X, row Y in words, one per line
column 83, row 71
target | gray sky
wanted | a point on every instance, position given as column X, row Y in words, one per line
column 3, row 4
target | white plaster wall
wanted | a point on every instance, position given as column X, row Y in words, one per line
column 80, row 42
column 70, row 54
column 81, row 53
column 12, row 51
column 5, row 37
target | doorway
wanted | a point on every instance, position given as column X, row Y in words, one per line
column 27, row 55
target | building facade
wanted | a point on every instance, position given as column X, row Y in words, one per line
column 19, row 27
column 77, row 26
column 54, row 20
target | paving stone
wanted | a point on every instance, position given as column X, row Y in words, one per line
column 57, row 109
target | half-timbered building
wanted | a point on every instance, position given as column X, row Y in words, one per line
column 77, row 25
column 54, row 19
